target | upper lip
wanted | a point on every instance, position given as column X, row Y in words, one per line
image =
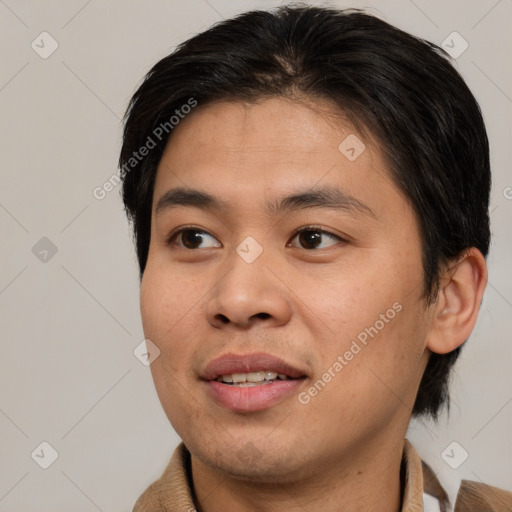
column 230, row 363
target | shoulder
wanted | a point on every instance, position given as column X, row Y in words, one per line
column 479, row 497
column 151, row 499
column 472, row 496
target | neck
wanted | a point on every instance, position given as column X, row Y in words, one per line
column 368, row 480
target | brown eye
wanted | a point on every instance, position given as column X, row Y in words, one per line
column 315, row 239
column 194, row 239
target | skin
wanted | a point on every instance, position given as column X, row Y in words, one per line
column 341, row 450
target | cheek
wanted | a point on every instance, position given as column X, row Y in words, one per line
column 169, row 314
column 166, row 301
column 342, row 304
column 376, row 325
column 169, row 311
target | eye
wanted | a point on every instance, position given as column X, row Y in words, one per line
column 314, row 238
column 192, row 238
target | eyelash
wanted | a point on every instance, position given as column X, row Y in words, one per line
column 171, row 239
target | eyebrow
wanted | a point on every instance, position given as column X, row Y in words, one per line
column 324, row 197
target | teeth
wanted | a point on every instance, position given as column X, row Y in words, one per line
column 256, row 377
column 251, row 378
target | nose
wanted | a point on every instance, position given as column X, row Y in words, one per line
column 249, row 294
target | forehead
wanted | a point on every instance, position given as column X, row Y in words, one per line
column 273, row 145
column 276, row 128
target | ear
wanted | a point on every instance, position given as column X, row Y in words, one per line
column 462, row 287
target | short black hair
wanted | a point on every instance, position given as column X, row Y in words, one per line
column 399, row 88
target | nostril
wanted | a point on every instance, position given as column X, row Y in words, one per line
column 223, row 318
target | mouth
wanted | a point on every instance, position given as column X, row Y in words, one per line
column 251, row 382
column 256, row 367
column 246, row 380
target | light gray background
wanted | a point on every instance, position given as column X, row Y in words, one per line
column 70, row 324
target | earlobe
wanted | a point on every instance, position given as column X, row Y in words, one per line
column 456, row 309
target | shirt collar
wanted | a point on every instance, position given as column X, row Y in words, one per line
column 412, row 500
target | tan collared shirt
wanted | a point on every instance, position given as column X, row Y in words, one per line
column 422, row 490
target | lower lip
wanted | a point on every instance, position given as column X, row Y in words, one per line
column 254, row 398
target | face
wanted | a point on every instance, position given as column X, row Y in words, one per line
column 276, row 250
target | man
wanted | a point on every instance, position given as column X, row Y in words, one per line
column 309, row 192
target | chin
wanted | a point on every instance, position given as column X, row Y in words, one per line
column 254, row 459
column 275, row 471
